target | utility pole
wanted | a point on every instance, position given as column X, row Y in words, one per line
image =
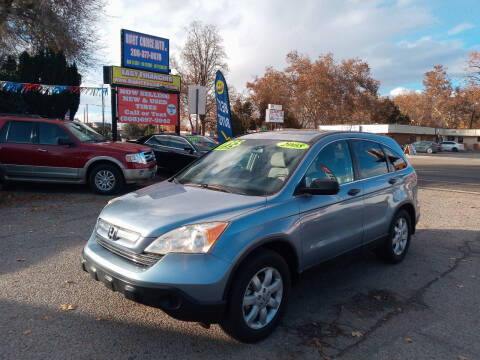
column 103, row 111
column 87, row 113
column 196, row 111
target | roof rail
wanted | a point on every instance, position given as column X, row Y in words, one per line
column 35, row 116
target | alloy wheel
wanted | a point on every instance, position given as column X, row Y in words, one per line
column 105, row 180
column 262, row 298
column 400, row 236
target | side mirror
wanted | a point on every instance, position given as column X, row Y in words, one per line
column 189, row 149
column 65, row 141
column 321, row 187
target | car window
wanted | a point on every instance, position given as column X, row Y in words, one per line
column 370, row 158
column 397, row 162
column 48, row 134
column 159, row 140
column 179, row 143
column 333, row 162
column 202, row 142
column 21, row 132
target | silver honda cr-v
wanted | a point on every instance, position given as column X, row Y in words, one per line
column 221, row 241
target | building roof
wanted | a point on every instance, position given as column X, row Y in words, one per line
column 401, row 129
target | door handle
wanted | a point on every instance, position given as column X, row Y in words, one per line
column 353, row 192
column 42, row 150
column 392, row 181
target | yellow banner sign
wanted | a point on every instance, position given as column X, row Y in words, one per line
column 131, row 77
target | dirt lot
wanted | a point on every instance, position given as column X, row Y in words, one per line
column 353, row 308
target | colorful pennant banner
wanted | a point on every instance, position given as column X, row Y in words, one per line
column 51, row 89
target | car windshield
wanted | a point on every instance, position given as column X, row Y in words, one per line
column 202, row 142
column 248, row 167
column 84, row 133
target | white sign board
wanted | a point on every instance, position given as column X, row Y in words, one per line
column 192, row 99
column 275, row 107
column 274, row 116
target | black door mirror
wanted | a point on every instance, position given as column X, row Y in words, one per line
column 320, row 187
column 189, row 149
column 65, row 141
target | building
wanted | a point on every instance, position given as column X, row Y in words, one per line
column 406, row 134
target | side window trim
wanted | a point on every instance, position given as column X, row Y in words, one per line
column 356, row 170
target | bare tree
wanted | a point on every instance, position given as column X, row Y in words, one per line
column 202, row 55
column 67, row 25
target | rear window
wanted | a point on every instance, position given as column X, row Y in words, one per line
column 20, row 132
column 395, row 160
column 370, row 158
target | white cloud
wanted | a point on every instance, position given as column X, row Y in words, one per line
column 399, row 91
column 460, row 28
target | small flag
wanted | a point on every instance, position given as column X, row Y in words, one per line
column 67, row 115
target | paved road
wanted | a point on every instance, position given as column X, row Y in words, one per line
column 353, row 308
column 460, row 172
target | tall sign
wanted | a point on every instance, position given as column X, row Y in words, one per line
column 274, row 114
column 224, row 123
column 145, row 52
column 142, row 90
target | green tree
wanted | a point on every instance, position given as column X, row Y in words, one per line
column 50, row 68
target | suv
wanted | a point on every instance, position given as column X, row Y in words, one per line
column 36, row 149
column 220, row 241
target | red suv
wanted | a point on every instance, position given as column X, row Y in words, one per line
column 36, row 149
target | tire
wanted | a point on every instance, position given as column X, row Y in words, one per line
column 395, row 248
column 258, row 266
column 429, row 151
column 106, row 179
column 454, row 149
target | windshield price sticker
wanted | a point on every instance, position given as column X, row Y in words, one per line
column 293, row 145
column 229, row 145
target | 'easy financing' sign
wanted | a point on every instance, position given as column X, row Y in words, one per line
column 144, row 52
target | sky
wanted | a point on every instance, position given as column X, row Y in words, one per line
column 400, row 39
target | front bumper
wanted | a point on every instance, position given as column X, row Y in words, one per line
column 139, row 175
column 171, row 300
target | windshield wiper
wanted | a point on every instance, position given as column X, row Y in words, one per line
column 217, row 187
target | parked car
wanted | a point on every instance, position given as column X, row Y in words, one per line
column 55, row 151
column 174, row 152
column 428, row 147
column 220, row 241
column 451, row 146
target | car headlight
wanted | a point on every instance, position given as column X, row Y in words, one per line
column 195, row 238
column 136, row 158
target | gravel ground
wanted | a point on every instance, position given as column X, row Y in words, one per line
column 356, row 307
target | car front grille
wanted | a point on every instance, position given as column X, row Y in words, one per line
column 140, row 259
column 150, row 157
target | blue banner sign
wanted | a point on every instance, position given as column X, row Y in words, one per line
column 144, row 52
column 224, row 123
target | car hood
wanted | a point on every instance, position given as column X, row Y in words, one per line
column 162, row 207
column 127, row 148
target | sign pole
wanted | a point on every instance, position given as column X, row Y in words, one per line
column 113, row 93
column 196, row 111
